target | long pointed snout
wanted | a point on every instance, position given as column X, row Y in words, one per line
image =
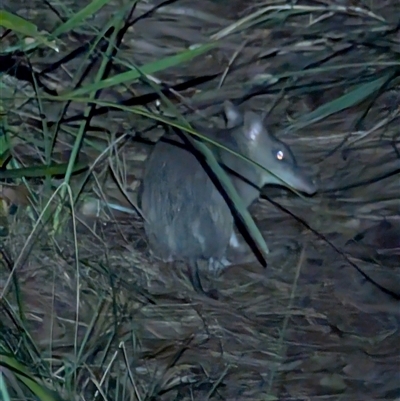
column 293, row 177
column 297, row 179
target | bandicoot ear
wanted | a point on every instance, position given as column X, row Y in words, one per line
column 232, row 114
column 253, row 126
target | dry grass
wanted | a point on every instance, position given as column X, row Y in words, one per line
column 93, row 317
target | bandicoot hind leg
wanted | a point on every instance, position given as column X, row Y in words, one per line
column 194, row 276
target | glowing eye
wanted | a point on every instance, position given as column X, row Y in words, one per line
column 279, row 155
